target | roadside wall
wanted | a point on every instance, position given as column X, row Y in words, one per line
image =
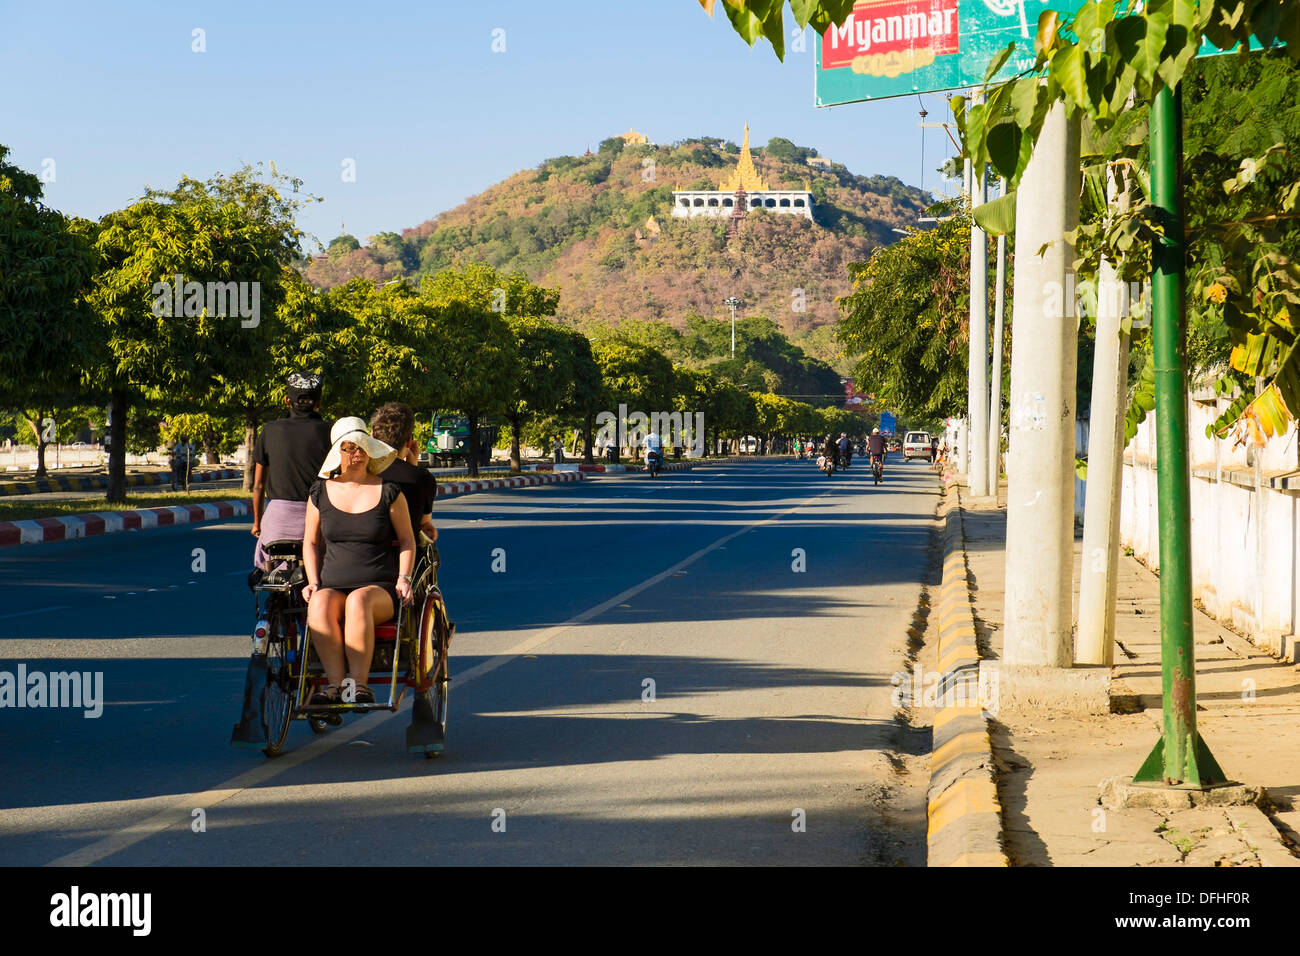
column 1245, row 529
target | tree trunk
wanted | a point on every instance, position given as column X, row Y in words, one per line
column 41, row 443
column 588, row 427
column 117, row 448
column 210, row 447
column 250, row 437
column 516, row 458
column 472, row 452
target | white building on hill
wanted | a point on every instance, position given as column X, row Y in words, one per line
column 740, row 192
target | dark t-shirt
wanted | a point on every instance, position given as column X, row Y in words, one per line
column 876, row 445
column 418, row 486
column 358, row 547
column 292, row 450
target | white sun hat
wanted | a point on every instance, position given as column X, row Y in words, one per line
column 354, row 430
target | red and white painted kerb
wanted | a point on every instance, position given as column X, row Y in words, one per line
column 67, row 527
column 448, row 488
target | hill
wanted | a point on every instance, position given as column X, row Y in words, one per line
column 600, row 228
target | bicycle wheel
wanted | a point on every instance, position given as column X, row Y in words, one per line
column 277, row 702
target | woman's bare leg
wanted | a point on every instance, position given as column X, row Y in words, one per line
column 325, row 618
column 366, row 607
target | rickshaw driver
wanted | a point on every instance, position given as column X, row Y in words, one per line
column 285, row 458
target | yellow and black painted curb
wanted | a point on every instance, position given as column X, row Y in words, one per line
column 94, row 482
column 965, row 818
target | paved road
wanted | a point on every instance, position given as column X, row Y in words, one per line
column 771, row 688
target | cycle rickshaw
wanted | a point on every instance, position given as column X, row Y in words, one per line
column 284, row 671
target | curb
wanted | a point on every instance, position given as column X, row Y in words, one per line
column 447, row 489
column 963, row 813
column 67, row 527
column 95, row 482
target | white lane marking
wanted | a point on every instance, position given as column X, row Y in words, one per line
column 180, row 813
column 39, row 610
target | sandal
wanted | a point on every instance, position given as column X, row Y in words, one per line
column 327, row 696
column 364, row 695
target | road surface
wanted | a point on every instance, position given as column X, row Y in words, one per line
column 769, row 737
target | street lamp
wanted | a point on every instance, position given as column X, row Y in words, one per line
column 733, row 302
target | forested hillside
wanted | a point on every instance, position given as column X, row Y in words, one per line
column 599, row 228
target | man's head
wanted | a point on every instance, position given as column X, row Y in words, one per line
column 875, row 431
column 393, row 424
column 843, row 435
column 303, row 391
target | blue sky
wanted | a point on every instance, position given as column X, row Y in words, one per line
column 413, row 92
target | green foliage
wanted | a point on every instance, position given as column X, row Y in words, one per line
column 340, row 246
column 907, row 321
column 47, row 264
column 765, row 18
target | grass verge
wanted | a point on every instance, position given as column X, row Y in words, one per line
column 19, row 510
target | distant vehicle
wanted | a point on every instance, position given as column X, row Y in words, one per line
column 917, row 445
column 450, row 441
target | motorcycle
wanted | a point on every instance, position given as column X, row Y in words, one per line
column 652, row 463
column 826, row 464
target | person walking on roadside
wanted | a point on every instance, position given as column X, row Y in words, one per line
column 286, row 457
column 182, row 458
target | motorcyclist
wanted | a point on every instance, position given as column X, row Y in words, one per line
column 876, row 448
column 830, row 450
column 653, row 443
column 845, row 448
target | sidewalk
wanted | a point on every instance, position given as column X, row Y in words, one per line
column 1049, row 767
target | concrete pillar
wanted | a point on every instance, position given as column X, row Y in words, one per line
column 977, row 388
column 995, row 398
column 1099, row 570
column 1040, row 493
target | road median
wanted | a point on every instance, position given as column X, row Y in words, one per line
column 41, row 530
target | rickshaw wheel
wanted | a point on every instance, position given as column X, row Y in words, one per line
column 277, row 703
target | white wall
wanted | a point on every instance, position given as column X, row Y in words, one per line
column 1245, row 521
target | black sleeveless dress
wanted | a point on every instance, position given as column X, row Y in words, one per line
column 359, row 548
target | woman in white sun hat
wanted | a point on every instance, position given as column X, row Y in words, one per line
column 356, row 515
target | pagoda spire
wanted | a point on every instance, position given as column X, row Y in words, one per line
column 745, row 177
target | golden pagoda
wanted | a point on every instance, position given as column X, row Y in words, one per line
column 742, row 192
column 745, row 177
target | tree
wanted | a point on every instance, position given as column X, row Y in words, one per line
column 295, row 332
column 47, row 333
column 635, row 375
column 210, row 235
column 547, row 370
column 907, row 318
column 481, row 361
column 340, row 246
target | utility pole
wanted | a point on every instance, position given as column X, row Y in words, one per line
column 1040, row 491
column 1180, row 757
column 733, row 302
column 995, row 398
column 977, row 383
column 1099, row 570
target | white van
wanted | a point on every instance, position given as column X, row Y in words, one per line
column 917, row 445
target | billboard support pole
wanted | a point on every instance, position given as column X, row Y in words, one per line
column 1180, row 757
column 977, row 382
